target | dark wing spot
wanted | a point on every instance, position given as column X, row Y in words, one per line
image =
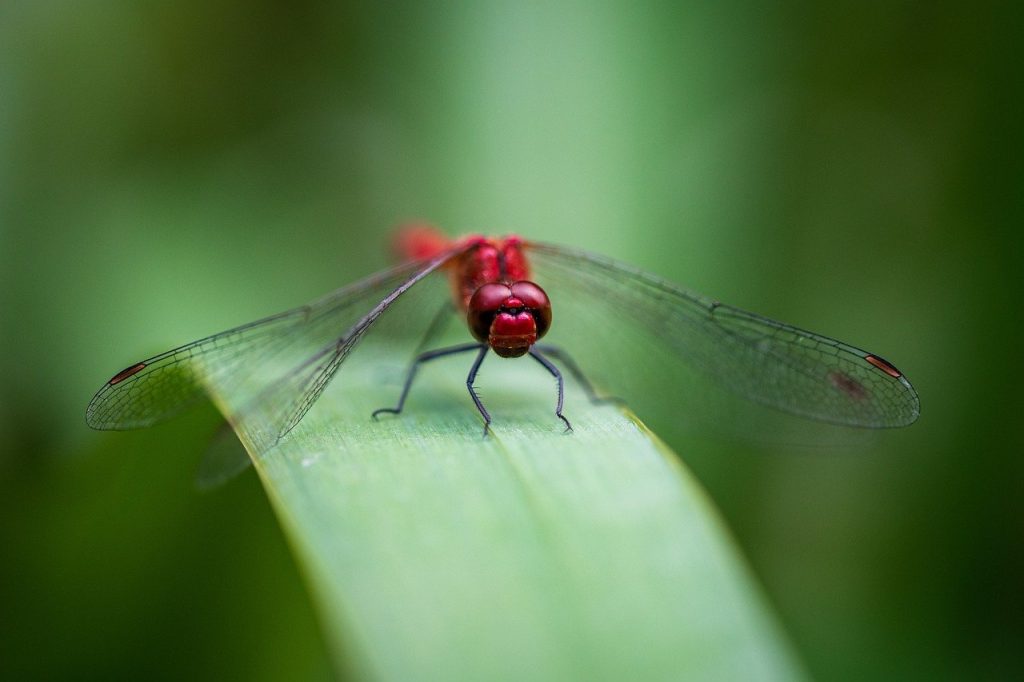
column 127, row 372
column 848, row 385
column 883, row 365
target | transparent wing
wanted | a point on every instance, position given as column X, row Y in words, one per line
column 311, row 340
column 276, row 407
column 631, row 331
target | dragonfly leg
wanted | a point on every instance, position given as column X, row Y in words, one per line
column 472, row 390
column 577, row 373
column 426, row 357
column 535, row 354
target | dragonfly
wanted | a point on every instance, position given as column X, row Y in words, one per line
column 624, row 335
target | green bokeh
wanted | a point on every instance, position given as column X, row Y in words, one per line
column 171, row 169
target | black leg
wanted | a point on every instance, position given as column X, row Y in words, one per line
column 426, row 357
column 578, row 375
column 535, row 354
column 472, row 391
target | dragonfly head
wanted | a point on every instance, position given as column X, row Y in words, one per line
column 509, row 317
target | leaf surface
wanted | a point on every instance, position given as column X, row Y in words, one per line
column 435, row 553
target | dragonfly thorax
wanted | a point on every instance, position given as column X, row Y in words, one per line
column 509, row 317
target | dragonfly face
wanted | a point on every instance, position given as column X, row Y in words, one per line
column 509, row 317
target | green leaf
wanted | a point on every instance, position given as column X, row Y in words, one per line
column 435, row 553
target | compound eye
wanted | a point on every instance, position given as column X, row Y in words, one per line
column 483, row 305
column 536, row 301
column 530, row 294
column 490, row 297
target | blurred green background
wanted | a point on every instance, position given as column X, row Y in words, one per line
column 170, row 169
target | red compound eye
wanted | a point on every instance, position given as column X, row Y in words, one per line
column 536, row 301
column 483, row 306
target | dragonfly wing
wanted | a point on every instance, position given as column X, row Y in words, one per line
column 158, row 388
column 640, row 330
column 279, row 407
column 224, row 459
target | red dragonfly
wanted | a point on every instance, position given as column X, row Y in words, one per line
column 630, row 332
